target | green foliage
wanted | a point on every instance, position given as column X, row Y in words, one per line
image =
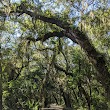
column 30, row 78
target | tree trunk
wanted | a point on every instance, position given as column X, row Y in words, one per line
column 66, row 97
column 86, row 95
column 96, row 58
column 0, row 80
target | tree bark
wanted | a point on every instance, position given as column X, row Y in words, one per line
column 0, row 80
column 86, row 95
column 66, row 97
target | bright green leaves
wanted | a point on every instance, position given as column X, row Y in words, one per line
column 97, row 23
column 23, row 0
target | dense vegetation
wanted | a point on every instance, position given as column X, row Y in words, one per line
column 55, row 51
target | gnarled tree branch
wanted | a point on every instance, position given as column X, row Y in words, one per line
column 51, row 20
column 49, row 35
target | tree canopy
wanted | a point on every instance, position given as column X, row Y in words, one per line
column 54, row 51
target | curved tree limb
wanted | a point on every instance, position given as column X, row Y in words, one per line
column 56, row 21
column 49, row 35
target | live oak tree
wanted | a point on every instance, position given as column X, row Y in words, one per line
column 39, row 23
column 76, row 35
